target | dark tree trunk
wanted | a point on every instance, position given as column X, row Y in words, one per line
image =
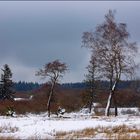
column 90, row 106
column 49, row 104
column 91, row 101
column 49, row 100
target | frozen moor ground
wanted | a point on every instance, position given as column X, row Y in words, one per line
column 41, row 127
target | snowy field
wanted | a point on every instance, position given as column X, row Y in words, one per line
column 31, row 126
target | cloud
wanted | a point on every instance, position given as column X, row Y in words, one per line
column 23, row 72
column 77, row 74
column 34, row 33
column 20, row 71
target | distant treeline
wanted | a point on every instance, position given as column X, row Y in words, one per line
column 104, row 85
column 27, row 86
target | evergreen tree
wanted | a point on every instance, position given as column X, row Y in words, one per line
column 6, row 83
column 91, row 81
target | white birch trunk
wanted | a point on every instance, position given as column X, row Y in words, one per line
column 110, row 99
column 108, row 104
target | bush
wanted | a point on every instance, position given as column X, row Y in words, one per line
column 128, row 111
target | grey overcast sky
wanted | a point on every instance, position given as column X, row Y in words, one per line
column 34, row 33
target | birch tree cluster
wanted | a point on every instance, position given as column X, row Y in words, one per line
column 113, row 52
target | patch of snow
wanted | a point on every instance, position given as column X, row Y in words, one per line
column 42, row 127
column 96, row 104
column 31, row 97
column 23, row 99
column 18, row 99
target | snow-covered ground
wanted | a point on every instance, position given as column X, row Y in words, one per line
column 41, row 127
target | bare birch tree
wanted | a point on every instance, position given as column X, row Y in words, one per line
column 54, row 70
column 114, row 53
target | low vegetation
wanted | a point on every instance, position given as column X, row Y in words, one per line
column 117, row 132
column 76, row 100
column 7, row 138
column 8, row 129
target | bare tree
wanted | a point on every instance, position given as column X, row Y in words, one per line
column 54, row 70
column 114, row 53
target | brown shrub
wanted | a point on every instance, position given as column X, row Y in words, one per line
column 116, row 132
column 70, row 99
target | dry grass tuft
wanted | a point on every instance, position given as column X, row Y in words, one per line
column 8, row 129
column 88, row 132
column 7, row 138
column 128, row 137
column 117, row 132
